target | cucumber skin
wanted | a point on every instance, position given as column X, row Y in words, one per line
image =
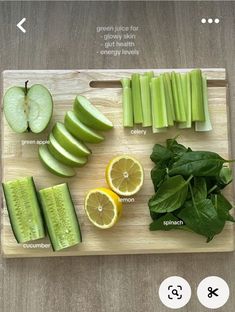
column 12, row 227
column 48, row 230
column 79, row 229
column 40, row 210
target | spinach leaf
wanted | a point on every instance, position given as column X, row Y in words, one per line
column 225, row 177
column 170, row 196
column 211, row 182
column 166, row 222
column 199, row 188
column 202, row 218
column 156, row 215
column 158, row 175
column 222, row 206
column 198, row 163
column 198, row 202
column 160, row 154
column 176, row 148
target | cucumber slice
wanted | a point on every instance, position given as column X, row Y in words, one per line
column 63, row 156
column 53, row 165
column 79, row 130
column 60, row 216
column 68, row 142
column 90, row 115
column 23, row 208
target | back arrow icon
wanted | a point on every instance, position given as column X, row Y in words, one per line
column 19, row 25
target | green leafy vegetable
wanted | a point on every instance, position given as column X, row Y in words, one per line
column 225, row 177
column 170, row 196
column 202, row 218
column 222, row 206
column 160, row 153
column 177, row 149
column 197, row 201
column 158, row 176
column 198, row 163
column 199, row 188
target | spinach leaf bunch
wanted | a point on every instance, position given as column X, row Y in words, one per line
column 188, row 187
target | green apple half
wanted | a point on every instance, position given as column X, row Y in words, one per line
column 28, row 109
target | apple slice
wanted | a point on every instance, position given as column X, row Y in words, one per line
column 68, row 142
column 64, row 156
column 90, row 115
column 79, row 130
column 28, row 109
column 53, row 165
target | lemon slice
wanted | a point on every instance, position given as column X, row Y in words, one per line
column 125, row 175
column 103, row 207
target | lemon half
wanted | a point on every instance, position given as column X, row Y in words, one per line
column 125, row 175
column 103, row 207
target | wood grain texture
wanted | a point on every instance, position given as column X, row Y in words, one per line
column 171, row 36
column 131, row 234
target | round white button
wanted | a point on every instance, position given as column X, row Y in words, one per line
column 174, row 292
column 213, row 292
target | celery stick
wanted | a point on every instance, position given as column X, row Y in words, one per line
column 186, row 88
column 145, row 101
column 170, row 119
column 197, row 96
column 204, row 125
column 127, row 103
column 159, row 130
column 168, row 89
column 181, row 98
column 126, row 82
column 150, row 75
column 153, row 99
column 136, row 98
column 178, row 97
column 159, row 113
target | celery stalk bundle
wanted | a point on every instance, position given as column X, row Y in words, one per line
column 166, row 100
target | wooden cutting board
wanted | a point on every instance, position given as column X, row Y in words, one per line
column 131, row 235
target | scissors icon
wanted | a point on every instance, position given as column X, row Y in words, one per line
column 212, row 292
